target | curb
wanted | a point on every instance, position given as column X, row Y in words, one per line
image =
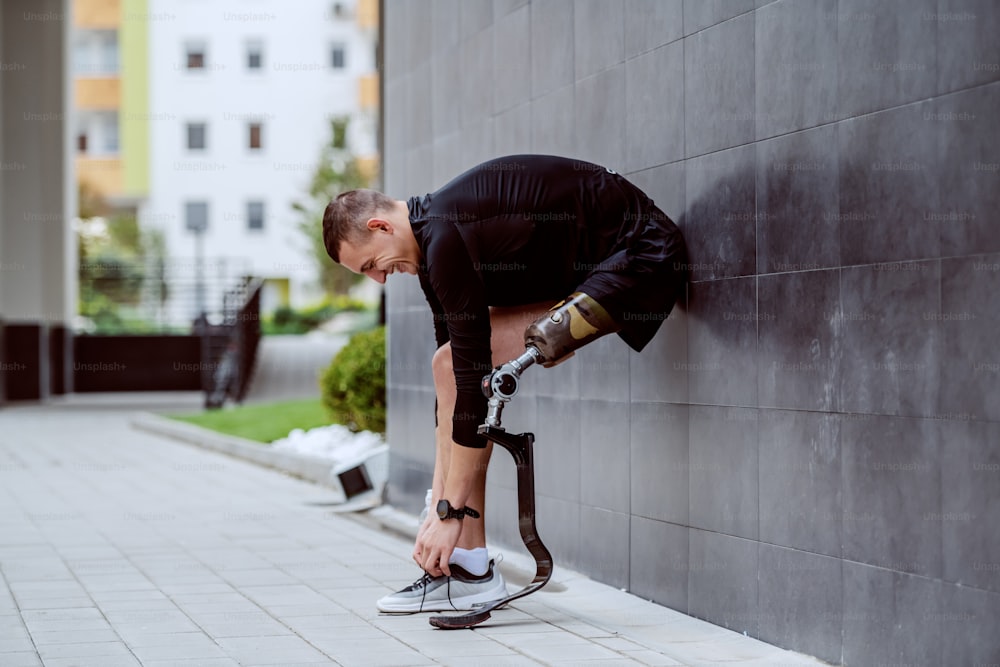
column 310, row 468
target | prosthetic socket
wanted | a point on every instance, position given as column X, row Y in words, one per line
column 568, row 326
column 551, row 339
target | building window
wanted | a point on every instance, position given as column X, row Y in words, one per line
column 256, row 132
column 255, row 56
column 95, row 52
column 195, row 56
column 255, row 215
column 197, row 138
column 338, row 10
column 196, row 216
column 109, row 132
column 338, row 56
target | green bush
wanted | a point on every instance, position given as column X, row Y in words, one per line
column 287, row 320
column 353, row 385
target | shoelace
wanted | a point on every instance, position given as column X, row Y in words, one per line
column 422, row 584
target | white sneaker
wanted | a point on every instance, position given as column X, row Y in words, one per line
column 459, row 592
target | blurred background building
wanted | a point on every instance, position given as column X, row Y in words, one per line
column 204, row 123
column 156, row 155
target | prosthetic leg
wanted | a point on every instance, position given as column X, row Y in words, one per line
column 553, row 338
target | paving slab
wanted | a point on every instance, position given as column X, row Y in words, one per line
column 125, row 547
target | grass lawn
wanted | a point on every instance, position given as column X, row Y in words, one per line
column 264, row 422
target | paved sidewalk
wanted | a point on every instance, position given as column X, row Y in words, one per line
column 119, row 547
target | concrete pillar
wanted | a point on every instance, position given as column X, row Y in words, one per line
column 37, row 199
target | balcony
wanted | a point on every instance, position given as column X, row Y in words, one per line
column 97, row 93
column 97, row 14
column 368, row 92
column 105, row 174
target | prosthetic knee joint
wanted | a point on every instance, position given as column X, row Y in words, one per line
column 551, row 339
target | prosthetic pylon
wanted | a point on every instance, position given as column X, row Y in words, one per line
column 500, row 386
column 569, row 325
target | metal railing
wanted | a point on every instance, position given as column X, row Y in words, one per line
column 229, row 349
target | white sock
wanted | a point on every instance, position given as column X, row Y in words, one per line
column 476, row 561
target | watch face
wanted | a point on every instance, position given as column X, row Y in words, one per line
column 442, row 509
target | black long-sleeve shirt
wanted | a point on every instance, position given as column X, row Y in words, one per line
column 513, row 231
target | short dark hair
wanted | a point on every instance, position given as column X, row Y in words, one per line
column 346, row 216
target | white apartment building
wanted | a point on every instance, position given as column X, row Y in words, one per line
column 241, row 94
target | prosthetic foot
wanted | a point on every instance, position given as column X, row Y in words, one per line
column 553, row 338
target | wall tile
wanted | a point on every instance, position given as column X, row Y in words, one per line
column 801, row 503
column 801, row 601
column 512, row 131
column 660, row 371
column 512, row 58
column 665, row 185
column 474, row 15
column 603, row 369
column 445, row 31
column 724, row 470
column 700, row 14
column 502, row 530
column 798, row 227
column 476, row 71
column 605, row 555
column 722, row 581
column 970, row 503
column 654, row 107
column 796, row 51
column 553, row 130
column 887, row 54
column 719, row 86
column 650, row 24
column 552, row 38
column 604, row 455
column 446, row 81
column 663, row 579
column 504, row 7
column 892, row 493
column 557, row 449
column 888, row 340
column 659, row 461
column 719, row 224
column 419, row 169
column 722, row 342
column 599, row 36
column 968, row 321
column 477, row 144
column 967, row 128
column 889, row 184
column 419, row 106
column 968, row 52
column 969, row 621
column 558, row 523
column 891, row 618
column 600, row 123
column 799, row 347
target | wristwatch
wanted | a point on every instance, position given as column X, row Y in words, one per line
column 446, row 511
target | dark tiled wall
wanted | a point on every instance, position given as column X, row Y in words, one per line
column 809, row 451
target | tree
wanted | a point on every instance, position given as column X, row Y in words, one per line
column 338, row 171
column 115, row 258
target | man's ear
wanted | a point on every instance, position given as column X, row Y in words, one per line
column 379, row 224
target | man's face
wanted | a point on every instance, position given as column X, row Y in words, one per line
column 383, row 254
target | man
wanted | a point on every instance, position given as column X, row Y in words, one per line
column 494, row 250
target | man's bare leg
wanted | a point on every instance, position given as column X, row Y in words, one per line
column 507, row 342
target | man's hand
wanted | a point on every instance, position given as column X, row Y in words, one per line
column 436, row 541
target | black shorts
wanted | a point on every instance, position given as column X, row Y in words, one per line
column 642, row 279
